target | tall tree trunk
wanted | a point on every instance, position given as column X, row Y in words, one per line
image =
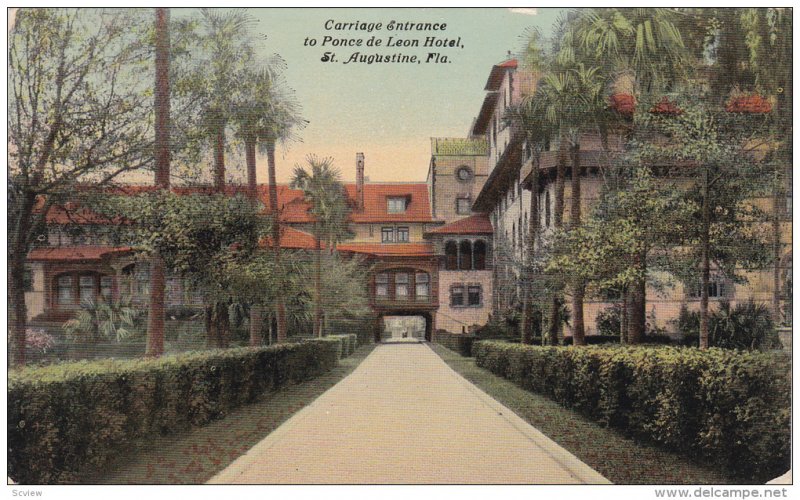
column 578, row 328
column 16, row 288
column 623, row 317
column 16, row 277
column 211, row 331
column 256, row 320
column 317, row 284
column 533, row 238
column 561, row 168
column 777, row 194
column 558, row 222
column 156, row 311
column 705, row 270
column 637, row 307
column 155, row 316
column 555, row 320
column 219, row 157
column 280, row 305
column 250, row 158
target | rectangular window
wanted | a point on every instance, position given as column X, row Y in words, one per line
column 396, row 205
column 387, row 235
column 716, row 289
column 474, row 295
column 87, row 287
column 401, row 286
column 457, row 296
column 105, row 287
column 463, row 206
column 423, row 286
column 65, row 290
column 382, row 285
column 402, row 235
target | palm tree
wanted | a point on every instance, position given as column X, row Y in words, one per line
column 323, row 190
column 643, row 42
column 526, row 118
column 645, row 46
column 155, row 320
column 569, row 99
column 225, row 53
column 267, row 115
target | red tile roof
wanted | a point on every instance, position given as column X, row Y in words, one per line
column 77, row 253
column 294, row 209
column 292, row 239
column 475, row 224
column 292, row 206
column 497, row 73
column 389, row 249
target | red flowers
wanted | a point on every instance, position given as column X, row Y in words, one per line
column 666, row 107
column 748, row 104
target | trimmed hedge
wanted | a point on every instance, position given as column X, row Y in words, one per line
column 460, row 343
column 66, row 419
column 348, row 343
column 730, row 408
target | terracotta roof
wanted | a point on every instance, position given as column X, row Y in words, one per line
column 475, row 224
column 292, row 239
column 389, row 249
column 294, row 209
column 497, row 73
column 77, row 253
column 292, row 206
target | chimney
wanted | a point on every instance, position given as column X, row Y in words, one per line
column 360, row 181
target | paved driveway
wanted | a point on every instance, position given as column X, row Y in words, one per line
column 403, row 416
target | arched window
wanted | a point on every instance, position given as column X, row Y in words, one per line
column 465, row 259
column 479, row 251
column 451, row 256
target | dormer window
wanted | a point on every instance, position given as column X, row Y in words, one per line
column 397, row 204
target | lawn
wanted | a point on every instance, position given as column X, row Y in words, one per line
column 619, row 458
column 193, row 457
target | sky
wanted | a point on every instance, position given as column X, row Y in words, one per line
column 388, row 111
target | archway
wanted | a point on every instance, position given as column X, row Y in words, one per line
column 404, row 326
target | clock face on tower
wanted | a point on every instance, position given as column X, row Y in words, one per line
column 464, row 173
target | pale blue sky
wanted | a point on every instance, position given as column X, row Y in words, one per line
column 388, row 111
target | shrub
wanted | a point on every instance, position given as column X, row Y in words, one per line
column 596, row 339
column 66, row 419
column 745, row 326
column 609, row 320
column 460, row 343
column 348, row 343
column 731, row 408
column 106, row 320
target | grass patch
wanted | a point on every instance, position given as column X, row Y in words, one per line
column 619, row 458
column 193, row 457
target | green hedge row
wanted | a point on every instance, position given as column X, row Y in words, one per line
column 460, row 343
column 730, row 408
column 348, row 343
column 66, row 419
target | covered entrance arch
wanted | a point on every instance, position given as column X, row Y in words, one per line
column 404, row 326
